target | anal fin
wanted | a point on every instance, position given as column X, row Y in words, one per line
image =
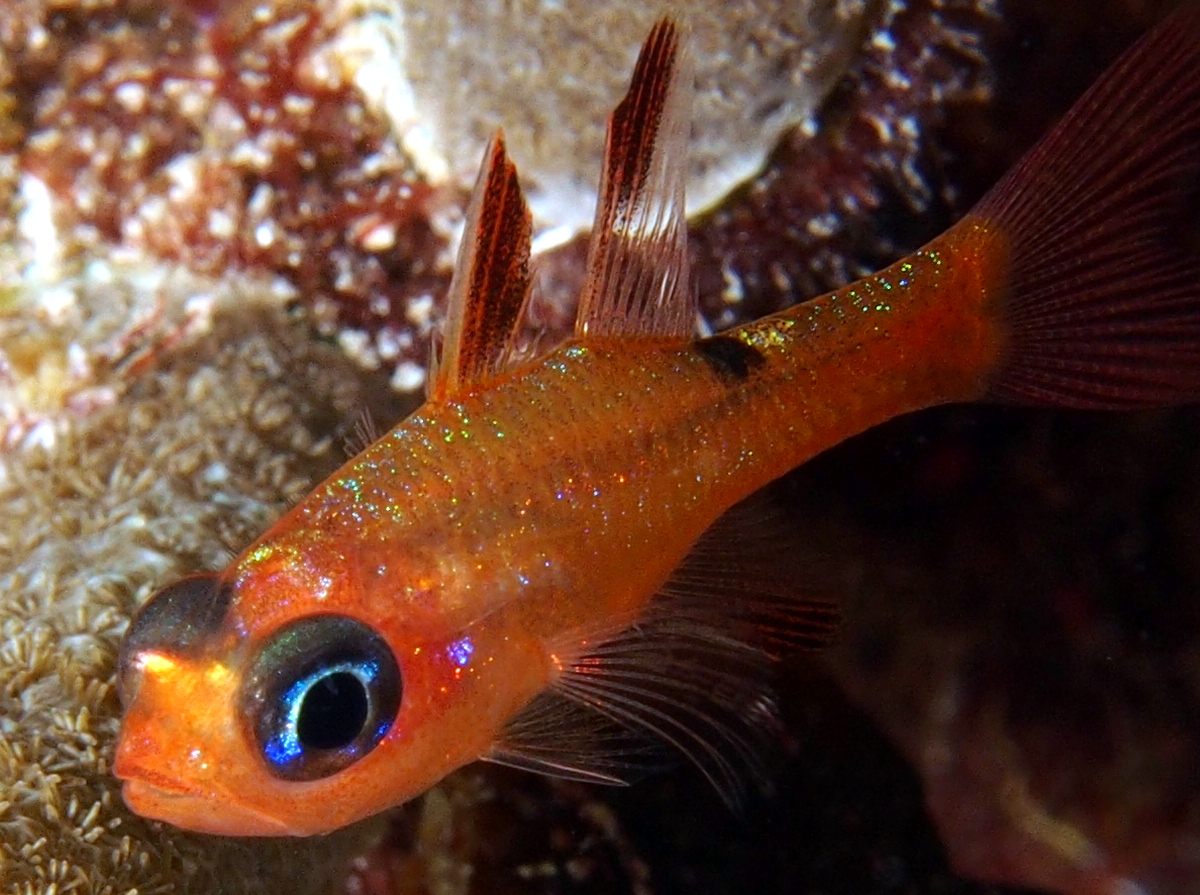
column 693, row 673
column 490, row 287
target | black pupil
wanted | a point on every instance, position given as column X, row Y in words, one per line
column 323, row 692
column 333, row 712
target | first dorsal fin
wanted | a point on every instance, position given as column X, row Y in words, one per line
column 491, row 280
column 637, row 270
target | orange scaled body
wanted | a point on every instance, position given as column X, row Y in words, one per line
column 497, row 562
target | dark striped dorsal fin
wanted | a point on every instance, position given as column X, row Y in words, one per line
column 490, row 287
column 637, row 270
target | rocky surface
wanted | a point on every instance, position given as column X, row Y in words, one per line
column 193, row 189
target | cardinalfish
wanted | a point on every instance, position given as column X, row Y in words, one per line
column 552, row 561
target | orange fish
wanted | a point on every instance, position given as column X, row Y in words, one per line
column 548, row 562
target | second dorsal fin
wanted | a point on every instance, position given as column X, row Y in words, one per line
column 491, row 281
column 637, row 268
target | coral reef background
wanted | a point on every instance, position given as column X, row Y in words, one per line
column 219, row 246
column 181, row 468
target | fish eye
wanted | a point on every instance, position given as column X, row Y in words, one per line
column 321, row 694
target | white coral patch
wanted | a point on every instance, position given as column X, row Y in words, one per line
column 372, row 51
column 39, row 231
column 447, row 74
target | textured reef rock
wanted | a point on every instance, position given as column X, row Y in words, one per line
column 330, row 142
column 190, row 188
column 817, row 216
column 548, row 75
column 1023, row 626
column 491, row 830
column 169, row 474
column 810, row 219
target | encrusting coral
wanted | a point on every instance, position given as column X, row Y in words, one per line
column 186, row 465
column 172, row 175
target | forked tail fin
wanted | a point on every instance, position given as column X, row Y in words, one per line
column 1103, row 227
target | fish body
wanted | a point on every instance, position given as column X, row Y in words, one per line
column 548, row 554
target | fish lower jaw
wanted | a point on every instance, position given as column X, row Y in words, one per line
column 199, row 812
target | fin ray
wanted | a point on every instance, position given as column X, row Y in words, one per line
column 636, row 279
column 490, row 289
column 1103, row 308
column 693, row 672
column 361, row 434
column 562, row 738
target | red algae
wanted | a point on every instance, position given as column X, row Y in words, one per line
column 223, row 136
column 860, row 185
column 237, row 136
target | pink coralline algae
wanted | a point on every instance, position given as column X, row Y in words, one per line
column 225, row 137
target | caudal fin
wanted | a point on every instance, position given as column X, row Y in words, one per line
column 1102, row 220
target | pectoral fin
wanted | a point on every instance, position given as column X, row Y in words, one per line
column 692, row 673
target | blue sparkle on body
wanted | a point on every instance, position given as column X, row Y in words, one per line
column 460, row 652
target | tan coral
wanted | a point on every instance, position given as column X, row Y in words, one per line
column 190, row 463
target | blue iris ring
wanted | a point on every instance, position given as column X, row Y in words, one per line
column 322, row 693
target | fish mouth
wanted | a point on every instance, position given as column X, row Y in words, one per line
column 199, row 812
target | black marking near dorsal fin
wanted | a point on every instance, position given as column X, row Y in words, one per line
column 637, row 268
column 693, row 672
column 490, row 287
column 731, row 359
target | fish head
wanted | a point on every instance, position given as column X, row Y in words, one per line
column 289, row 721
column 180, row 752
